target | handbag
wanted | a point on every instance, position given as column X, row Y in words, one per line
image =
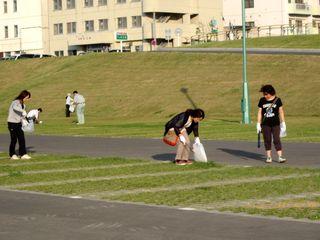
column 170, row 138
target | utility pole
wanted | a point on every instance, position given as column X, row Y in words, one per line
column 245, row 104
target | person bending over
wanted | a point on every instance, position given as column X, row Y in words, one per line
column 183, row 124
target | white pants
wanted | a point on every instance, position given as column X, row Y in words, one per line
column 80, row 113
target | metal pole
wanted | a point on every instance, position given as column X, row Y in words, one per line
column 245, row 97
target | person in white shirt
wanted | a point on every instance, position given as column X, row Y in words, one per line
column 80, row 102
column 34, row 115
column 69, row 102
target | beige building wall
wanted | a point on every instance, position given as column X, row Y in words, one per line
column 43, row 24
column 157, row 19
column 275, row 17
column 24, row 25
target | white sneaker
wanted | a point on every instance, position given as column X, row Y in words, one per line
column 14, row 157
column 281, row 159
column 269, row 160
column 26, row 157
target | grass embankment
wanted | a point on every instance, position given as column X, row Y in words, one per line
column 135, row 94
column 285, row 192
column 301, row 41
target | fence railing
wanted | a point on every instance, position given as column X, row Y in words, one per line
column 255, row 32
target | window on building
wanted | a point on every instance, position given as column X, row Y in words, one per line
column 15, row 6
column 103, row 24
column 249, row 3
column 71, row 27
column 5, row 7
column 6, row 32
column 121, row 1
column 102, row 2
column 89, row 26
column 16, row 31
column 59, row 53
column 88, row 3
column 71, row 4
column 57, row 4
column 136, row 21
column 58, row 28
column 299, row 1
column 122, row 22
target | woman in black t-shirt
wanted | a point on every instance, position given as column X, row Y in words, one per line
column 271, row 121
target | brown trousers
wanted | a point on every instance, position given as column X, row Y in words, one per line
column 183, row 151
column 270, row 133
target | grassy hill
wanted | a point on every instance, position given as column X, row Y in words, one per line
column 135, row 94
column 300, row 41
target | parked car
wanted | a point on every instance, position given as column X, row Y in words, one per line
column 31, row 55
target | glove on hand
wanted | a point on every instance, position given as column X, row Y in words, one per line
column 24, row 113
column 197, row 140
column 182, row 139
column 258, row 128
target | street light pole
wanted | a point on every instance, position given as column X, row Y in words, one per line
column 245, row 105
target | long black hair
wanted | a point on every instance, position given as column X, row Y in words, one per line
column 196, row 113
column 23, row 95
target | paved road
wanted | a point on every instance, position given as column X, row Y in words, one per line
column 230, row 152
column 30, row 216
column 279, row 51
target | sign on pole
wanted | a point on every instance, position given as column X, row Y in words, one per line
column 121, row 36
column 178, row 33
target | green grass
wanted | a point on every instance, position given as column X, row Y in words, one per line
column 136, row 94
column 301, row 41
column 301, row 208
column 201, row 186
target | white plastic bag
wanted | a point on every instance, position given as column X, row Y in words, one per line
column 283, row 134
column 71, row 108
column 199, row 153
column 27, row 127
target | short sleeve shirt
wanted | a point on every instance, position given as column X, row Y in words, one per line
column 270, row 118
column 34, row 114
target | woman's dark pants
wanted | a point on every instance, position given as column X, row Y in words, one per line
column 67, row 110
column 269, row 133
column 16, row 133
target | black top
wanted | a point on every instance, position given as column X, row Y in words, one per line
column 271, row 118
column 178, row 122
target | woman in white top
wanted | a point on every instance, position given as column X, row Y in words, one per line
column 17, row 112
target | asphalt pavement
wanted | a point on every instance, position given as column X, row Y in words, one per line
column 30, row 216
column 229, row 152
column 34, row 216
column 273, row 51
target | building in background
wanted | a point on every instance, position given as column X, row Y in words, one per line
column 22, row 27
column 71, row 27
column 272, row 17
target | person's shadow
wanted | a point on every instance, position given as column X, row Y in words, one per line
column 243, row 154
column 164, row 157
